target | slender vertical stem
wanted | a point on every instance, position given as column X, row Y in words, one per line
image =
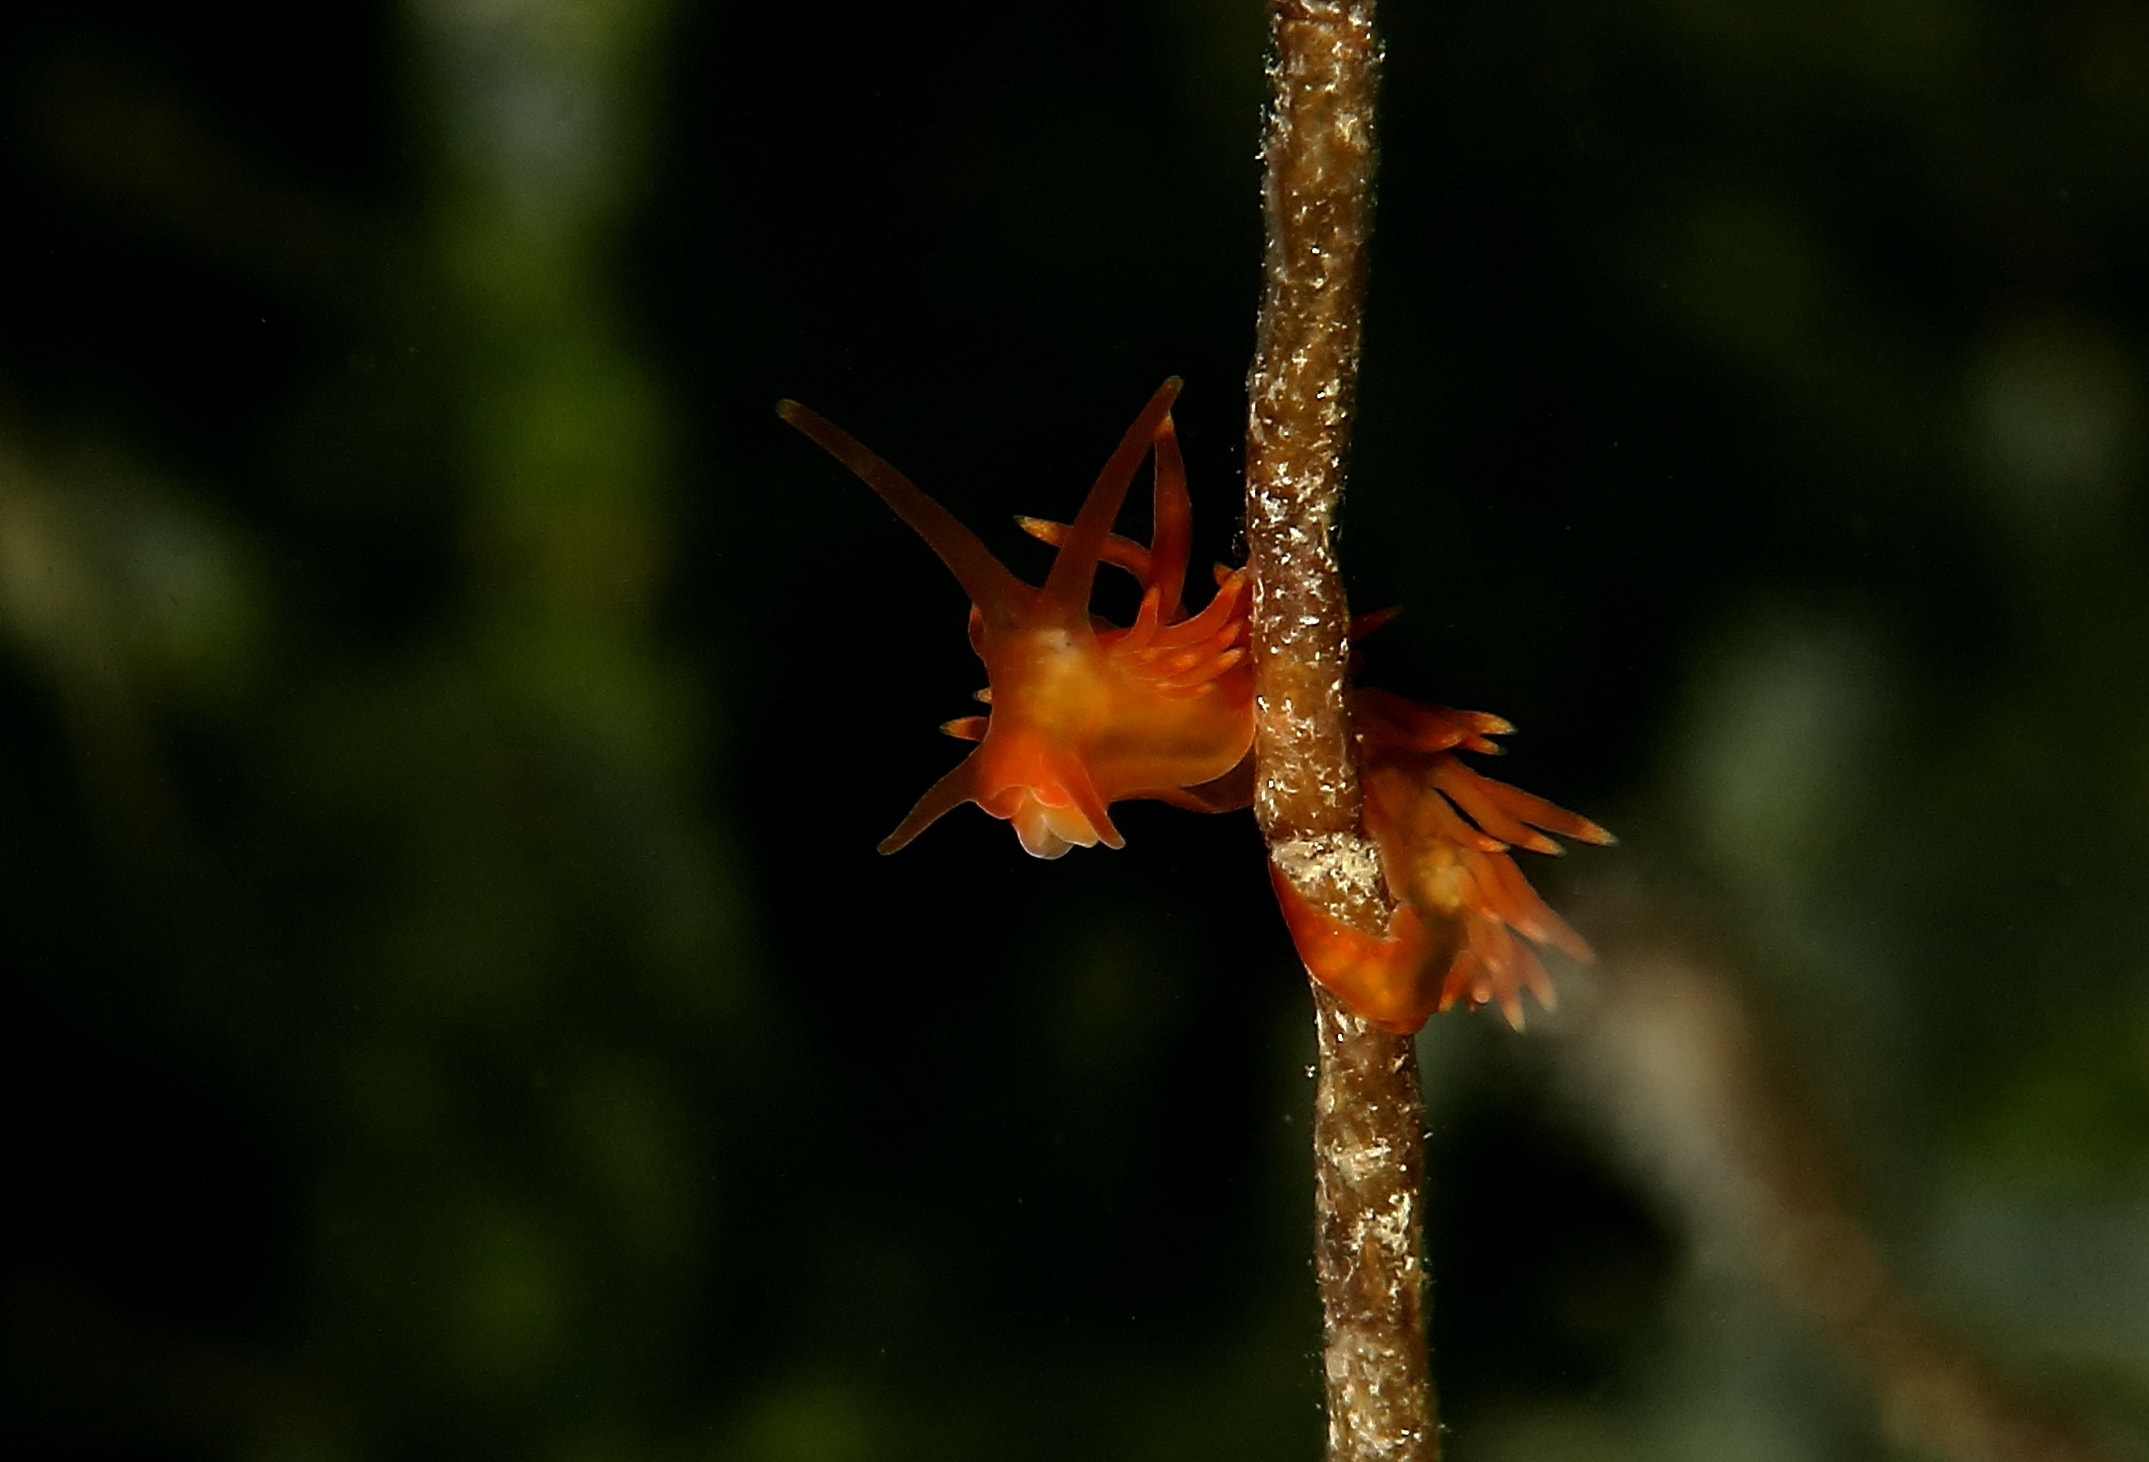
column 1369, row 1240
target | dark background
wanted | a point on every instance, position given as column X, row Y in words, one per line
column 452, row 1005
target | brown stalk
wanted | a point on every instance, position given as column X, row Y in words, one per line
column 1367, row 1136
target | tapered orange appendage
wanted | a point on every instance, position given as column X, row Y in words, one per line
column 1392, row 981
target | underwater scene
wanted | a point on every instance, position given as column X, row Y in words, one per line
column 453, row 1004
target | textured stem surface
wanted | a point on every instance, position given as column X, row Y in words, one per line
column 1369, row 1244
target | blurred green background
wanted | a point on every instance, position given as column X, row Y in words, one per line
column 452, row 1005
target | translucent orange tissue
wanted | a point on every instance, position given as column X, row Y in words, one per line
column 1446, row 837
column 1082, row 713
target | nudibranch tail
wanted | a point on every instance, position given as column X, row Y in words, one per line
column 1392, row 979
column 1465, row 915
column 1074, row 567
column 996, row 593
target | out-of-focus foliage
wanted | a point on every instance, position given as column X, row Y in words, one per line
column 452, row 1006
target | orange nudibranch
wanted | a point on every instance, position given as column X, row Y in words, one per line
column 1083, row 713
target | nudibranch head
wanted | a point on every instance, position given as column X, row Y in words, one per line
column 1047, row 822
column 1082, row 713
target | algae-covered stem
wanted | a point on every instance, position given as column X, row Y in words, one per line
column 1369, row 1238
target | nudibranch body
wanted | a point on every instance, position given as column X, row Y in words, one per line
column 1084, row 714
